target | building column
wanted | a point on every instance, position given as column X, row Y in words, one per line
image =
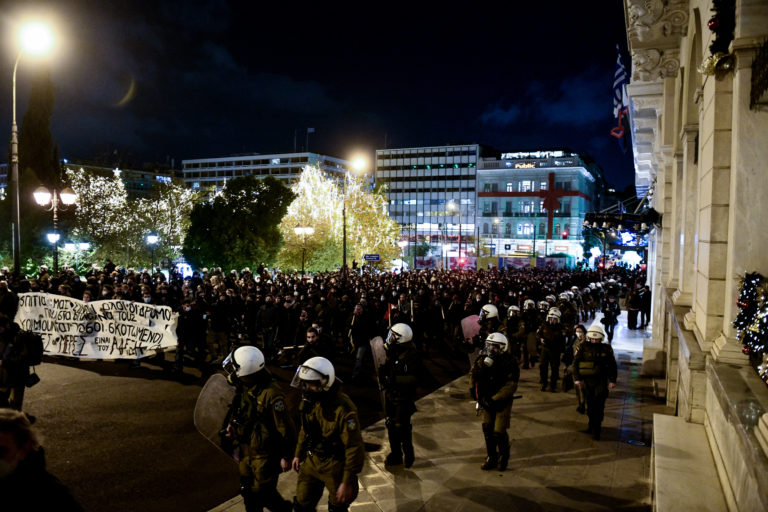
column 747, row 240
column 713, row 210
column 685, row 244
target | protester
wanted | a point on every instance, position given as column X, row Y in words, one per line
column 25, row 484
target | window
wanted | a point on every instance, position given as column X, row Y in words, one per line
column 485, row 228
column 508, row 229
column 542, row 228
column 510, row 187
column 487, row 187
column 525, row 228
column 526, row 207
column 526, row 186
column 557, row 229
column 494, row 187
column 508, row 207
column 543, row 185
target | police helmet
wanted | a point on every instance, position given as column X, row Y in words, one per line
column 315, row 369
column 497, row 339
column 570, row 295
column 551, row 299
column 595, row 332
column 513, row 310
column 563, row 296
column 592, row 286
column 243, row 361
column 489, row 311
column 543, row 306
column 399, row 333
column 553, row 313
column 574, row 289
column 529, row 304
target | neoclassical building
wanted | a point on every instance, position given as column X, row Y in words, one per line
column 700, row 137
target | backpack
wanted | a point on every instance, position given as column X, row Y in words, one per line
column 32, row 347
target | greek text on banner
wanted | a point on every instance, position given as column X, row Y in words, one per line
column 107, row 329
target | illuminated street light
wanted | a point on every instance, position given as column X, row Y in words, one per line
column 35, row 39
column 359, row 164
column 303, row 231
column 402, row 244
column 152, row 239
column 453, row 205
column 43, row 197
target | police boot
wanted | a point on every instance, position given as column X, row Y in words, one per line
column 490, row 446
column 395, row 457
column 408, row 455
column 502, row 440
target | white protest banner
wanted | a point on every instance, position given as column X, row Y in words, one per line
column 106, row 329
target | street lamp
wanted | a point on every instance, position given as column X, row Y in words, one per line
column 35, row 39
column 496, row 223
column 359, row 164
column 75, row 248
column 402, row 244
column 42, row 197
column 303, row 231
column 453, row 205
column 152, row 239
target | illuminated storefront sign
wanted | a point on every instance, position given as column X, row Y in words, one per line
column 526, row 165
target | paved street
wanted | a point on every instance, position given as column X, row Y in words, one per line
column 124, row 436
column 554, row 465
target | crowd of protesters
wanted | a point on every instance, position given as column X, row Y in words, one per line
column 334, row 314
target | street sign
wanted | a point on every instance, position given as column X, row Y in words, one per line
column 371, row 257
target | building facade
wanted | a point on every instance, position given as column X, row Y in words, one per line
column 431, row 191
column 534, row 202
column 213, row 173
column 699, row 130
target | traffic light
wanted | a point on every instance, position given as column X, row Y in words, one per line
column 565, row 235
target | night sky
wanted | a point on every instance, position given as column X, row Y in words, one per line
column 178, row 79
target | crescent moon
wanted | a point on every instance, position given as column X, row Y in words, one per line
column 128, row 95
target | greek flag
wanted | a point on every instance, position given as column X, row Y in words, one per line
column 620, row 103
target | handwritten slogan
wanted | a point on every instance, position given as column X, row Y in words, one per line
column 107, row 329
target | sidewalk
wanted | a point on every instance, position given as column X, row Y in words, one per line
column 554, row 465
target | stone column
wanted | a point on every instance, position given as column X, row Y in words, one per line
column 747, row 240
column 713, row 208
column 688, row 178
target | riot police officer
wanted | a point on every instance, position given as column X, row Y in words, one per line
column 552, row 345
column 515, row 329
column 262, row 428
column 398, row 376
column 489, row 322
column 330, row 451
column 493, row 382
column 594, row 369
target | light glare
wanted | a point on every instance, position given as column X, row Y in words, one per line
column 36, row 38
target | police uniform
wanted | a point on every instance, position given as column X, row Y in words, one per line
column 595, row 366
column 494, row 387
column 330, row 447
column 552, row 347
column 265, row 433
column 399, row 380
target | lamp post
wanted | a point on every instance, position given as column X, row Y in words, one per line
column 303, row 231
column 402, row 244
column 496, row 223
column 35, row 39
column 42, row 197
column 152, row 239
column 75, row 248
column 359, row 165
column 453, row 205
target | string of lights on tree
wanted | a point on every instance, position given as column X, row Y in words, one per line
column 751, row 323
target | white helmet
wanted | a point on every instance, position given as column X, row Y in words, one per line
column 563, row 296
column 595, row 332
column 529, row 304
column 569, row 294
column 497, row 339
column 513, row 310
column 592, row 286
column 315, row 369
column 574, row 289
column 399, row 333
column 489, row 311
column 243, row 361
column 551, row 299
column 554, row 313
column 543, row 306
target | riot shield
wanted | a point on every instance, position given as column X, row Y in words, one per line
column 212, row 409
column 379, row 358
